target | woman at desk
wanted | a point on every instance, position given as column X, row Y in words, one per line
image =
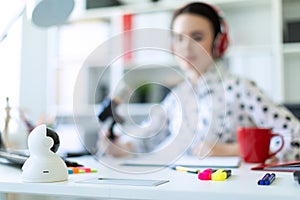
column 214, row 103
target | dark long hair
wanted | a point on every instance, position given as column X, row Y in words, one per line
column 202, row 9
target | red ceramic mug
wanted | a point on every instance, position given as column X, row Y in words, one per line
column 254, row 144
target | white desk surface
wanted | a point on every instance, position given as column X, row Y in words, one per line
column 242, row 184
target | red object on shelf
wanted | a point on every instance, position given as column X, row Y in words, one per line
column 127, row 39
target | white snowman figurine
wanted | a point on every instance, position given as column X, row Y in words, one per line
column 43, row 164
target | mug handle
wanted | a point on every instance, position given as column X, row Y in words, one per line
column 282, row 144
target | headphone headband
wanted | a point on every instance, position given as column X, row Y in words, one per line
column 222, row 39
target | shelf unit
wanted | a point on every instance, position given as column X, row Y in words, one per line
column 291, row 48
column 291, row 53
column 257, row 51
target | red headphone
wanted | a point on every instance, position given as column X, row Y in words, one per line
column 221, row 42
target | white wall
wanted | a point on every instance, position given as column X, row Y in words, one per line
column 33, row 79
column 10, row 53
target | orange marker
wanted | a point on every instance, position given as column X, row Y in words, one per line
column 80, row 170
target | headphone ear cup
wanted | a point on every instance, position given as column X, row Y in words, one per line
column 220, row 45
column 224, row 44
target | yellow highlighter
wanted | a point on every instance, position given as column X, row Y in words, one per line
column 220, row 175
column 186, row 169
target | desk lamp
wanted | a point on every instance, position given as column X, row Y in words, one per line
column 43, row 13
column 46, row 13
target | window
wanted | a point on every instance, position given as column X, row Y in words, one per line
column 75, row 42
column 10, row 50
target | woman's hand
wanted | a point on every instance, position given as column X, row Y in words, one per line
column 114, row 148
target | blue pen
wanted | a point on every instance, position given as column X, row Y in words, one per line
column 296, row 175
column 271, row 179
column 264, row 179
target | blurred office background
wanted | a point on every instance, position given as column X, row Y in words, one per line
column 39, row 66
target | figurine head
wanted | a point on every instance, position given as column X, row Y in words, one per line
column 42, row 139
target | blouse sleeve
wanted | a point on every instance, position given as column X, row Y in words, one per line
column 266, row 114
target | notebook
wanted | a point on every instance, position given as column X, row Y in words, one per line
column 283, row 167
column 16, row 158
column 187, row 161
column 120, row 181
column 19, row 158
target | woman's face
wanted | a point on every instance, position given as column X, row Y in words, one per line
column 193, row 43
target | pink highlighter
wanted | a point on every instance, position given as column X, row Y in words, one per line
column 206, row 174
